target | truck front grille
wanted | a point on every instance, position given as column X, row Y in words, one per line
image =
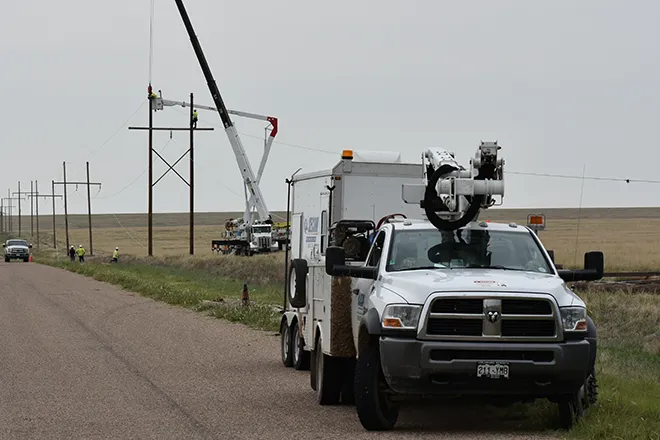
column 497, row 317
column 264, row 242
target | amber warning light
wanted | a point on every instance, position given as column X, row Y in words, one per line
column 535, row 221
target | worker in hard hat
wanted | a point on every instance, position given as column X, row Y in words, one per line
column 194, row 119
column 81, row 253
column 72, row 253
column 115, row 255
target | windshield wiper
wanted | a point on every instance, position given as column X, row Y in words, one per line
column 495, row 266
column 420, row 268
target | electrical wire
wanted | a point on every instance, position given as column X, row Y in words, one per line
column 128, row 233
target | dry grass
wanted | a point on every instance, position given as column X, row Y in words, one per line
column 628, row 237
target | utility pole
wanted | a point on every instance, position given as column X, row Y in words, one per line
column 9, row 200
column 29, row 194
column 19, row 198
column 36, row 204
column 190, row 184
column 89, row 212
column 31, row 209
column 66, row 209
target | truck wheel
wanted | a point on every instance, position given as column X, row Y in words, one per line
column 591, row 389
column 6, row 260
column 297, row 285
column 571, row 408
column 328, row 378
column 285, row 344
column 375, row 410
column 300, row 355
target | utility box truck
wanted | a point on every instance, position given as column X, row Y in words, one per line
column 433, row 305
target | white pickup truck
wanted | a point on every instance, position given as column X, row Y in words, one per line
column 17, row 249
column 480, row 311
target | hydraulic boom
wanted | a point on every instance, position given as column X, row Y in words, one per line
column 241, row 157
column 160, row 103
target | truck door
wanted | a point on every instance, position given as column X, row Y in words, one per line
column 364, row 288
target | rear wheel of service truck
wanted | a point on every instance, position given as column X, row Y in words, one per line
column 328, row 377
column 300, row 356
column 285, row 345
column 375, row 410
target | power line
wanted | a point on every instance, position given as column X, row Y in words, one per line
column 565, row 176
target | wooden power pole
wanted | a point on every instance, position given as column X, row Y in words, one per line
column 66, row 209
column 36, row 204
column 190, row 184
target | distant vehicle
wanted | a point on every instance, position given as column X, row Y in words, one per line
column 17, row 249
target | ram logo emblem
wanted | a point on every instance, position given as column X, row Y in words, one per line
column 493, row 315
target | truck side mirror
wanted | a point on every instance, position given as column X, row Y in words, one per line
column 30, row 245
column 3, row 245
column 335, row 265
column 594, row 268
column 334, row 256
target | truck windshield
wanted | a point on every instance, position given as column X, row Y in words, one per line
column 261, row 229
column 465, row 248
column 17, row 243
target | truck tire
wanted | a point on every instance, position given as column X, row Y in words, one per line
column 300, row 355
column 285, row 344
column 328, row 377
column 297, row 285
column 6, row 260
column 375, row 411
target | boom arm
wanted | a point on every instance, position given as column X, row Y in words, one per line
column 453, row 196
column 159, row 103
column 235, row 141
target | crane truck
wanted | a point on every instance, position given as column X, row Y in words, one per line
column 384, row 303
column 251, row 235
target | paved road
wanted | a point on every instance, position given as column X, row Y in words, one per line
column 81, row 359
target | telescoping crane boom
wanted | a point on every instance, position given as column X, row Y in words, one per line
column 249, row 178
column 159, row 103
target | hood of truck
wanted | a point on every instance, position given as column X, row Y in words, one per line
column 417, row 285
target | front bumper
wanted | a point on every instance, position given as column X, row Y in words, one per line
column 17, row 255
column 419, row 367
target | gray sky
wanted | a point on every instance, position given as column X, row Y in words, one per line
column 559, row 85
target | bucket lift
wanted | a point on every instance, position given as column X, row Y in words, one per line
column 452, row 196
column 159, row 103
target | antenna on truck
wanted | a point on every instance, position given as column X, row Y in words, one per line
column 452, row 196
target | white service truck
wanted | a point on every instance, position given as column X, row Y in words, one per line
column 386, row 304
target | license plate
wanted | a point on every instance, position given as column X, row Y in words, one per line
column 493, row 370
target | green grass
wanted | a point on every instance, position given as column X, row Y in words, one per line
column 628, row 365
column 201, row 290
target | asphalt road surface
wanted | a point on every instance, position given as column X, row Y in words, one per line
column 80, row 359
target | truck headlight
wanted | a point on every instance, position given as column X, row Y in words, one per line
column 401, row 316
column 574, row 318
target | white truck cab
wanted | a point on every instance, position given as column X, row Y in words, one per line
column 403, row 308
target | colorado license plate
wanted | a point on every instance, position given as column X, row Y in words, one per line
column 493, row 370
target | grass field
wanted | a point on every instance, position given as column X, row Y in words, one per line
column 628, row 237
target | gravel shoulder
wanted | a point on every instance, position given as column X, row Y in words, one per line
column 84, row 359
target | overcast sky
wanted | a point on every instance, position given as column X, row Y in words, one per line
column 559, row 84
